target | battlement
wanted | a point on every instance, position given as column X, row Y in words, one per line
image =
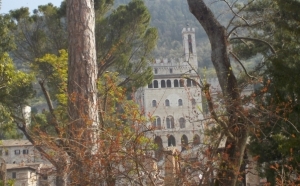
column 188, row 30
column 162, row 62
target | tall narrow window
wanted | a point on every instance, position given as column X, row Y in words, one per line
column 155, row 82
column 176, row 83
column 171, row 71
column 180, row 102
column 189, row 83
column 167, row 103
column 181, row 82
column 156, row 123
column 159, row 151
column 182, row 122
column 171, row 141
column 184, row 142
column 162, row 84
column 193, row 102
column 14, row 175
column 154, row 103
column 155, row 71
column 190, row 44
column 170, row 122
column 169, row 83
column 196, row 140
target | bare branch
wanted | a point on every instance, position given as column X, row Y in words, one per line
column 238, row 60
column 255, row 39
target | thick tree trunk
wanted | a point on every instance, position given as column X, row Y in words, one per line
column 236, row 143
column 82, row 85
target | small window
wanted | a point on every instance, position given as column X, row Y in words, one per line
column 163, row 84
column 167, row 103
column 150, row 85
column 182, row 122
column 155, row 71
column 25, row 151
column 6, row 152
column 190, row 44
column 176, row 84
column 169, row 83
column 180, row 102
column 171, row 141
column 193, row 102
column 14, row 175
column 17, row 152
column 171, row 71
column 170, row 122
column 189, row 83
column 1, row 152
column 154, row 103
column 155, row 82
column 157, row 123
column 181, row 82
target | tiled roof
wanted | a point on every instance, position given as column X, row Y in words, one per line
column 14, row 143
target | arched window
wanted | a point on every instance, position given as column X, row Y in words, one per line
column 170, row 122
column 154, row 103
column 189, row 83
column 162, row 84
column 150, row 85
column 156, row 123
column 171, row 141
column 196, row 140
column 167, row 103
column 182, row 122
column 181, row 83
column 176, row 83
column 190, row 44
column 169, row 83
column 184, row 143
column 155, row 82
column 180, row 102
column 158, row 153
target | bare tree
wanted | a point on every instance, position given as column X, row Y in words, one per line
column 237, row 123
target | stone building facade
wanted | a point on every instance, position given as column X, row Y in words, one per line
column 173, row 101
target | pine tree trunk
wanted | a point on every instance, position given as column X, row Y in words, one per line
column 235, row 145
column 82, row 85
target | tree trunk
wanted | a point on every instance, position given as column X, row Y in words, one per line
column 82, row 84
column 236, row 143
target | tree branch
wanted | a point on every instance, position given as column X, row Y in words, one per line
column 255, row 39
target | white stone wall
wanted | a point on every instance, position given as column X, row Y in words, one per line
column 24, row 177
column 190, row 95
column 18, row 154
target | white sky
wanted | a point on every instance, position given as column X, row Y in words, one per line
column 8, row 5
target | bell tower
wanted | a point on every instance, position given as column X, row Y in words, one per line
column 189, row 45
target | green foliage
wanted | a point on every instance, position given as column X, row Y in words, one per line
column 124, row 42
column 58, row 78
column 280, row 129
column 15, row 90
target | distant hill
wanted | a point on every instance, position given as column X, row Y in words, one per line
column 170, row 17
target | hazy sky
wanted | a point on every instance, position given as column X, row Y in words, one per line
column 8, row 5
